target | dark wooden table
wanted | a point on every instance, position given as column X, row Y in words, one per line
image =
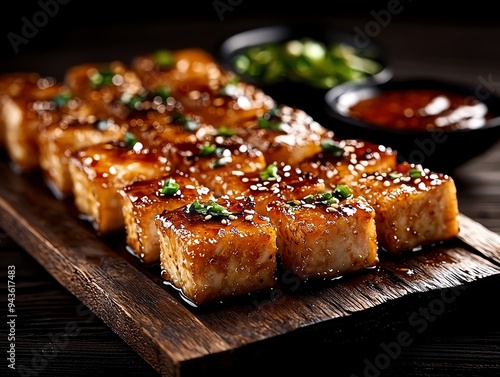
column 56, row 335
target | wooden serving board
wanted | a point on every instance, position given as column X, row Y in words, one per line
column 275, row 326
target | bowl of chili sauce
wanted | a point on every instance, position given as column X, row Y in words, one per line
column 436, row 123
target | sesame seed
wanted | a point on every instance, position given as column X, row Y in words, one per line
column 208, row 217
column 224, row 221
column 232, row 217
column 248, row 217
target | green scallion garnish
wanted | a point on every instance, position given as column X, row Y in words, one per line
column 102, row 78
column 224, row 131
column 395, row 175
column 210, row 208
column 62, row 99
column 170, row 187
column 164, row 58
column 270, row 173
column 188, row 123
column 333, row 147
column 130, row 140
column 342, row 192
column 207, row 150
column 415, row 173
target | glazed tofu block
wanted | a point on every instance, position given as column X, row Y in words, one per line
column 143, row 200
column 414, row 207
column 285, row 135
column 217, row 250
column 175, row 68
column 211, row 162
column 98, row 171
column 325, row 235
column 23, row 116
column 203, row 86
column 341, row 161
column 105, row 84
column 12, row 85
column 273, row 183
column 58, row 141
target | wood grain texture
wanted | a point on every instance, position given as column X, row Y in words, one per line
column 179, row 340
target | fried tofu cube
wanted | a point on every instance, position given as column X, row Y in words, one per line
column 98, row 171
column 414, row 207
column 217, row 250
column 284, row 134
column 273, row 183
column 175, row 68
column 341, row 161
column 202, row 85
column 104, row 84
column 23, row 115
column 59, row 140
column 13, row 85
column 322, row 237
column 143, row 200
column 211, row 162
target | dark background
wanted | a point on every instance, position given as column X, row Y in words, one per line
column 98, row 29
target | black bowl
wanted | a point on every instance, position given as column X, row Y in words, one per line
column 438, row 150
column 288, row 91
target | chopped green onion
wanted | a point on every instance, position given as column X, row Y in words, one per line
column 327, row 198
column 415, row 173
column 293, row 203
column 130, row 140
column 62, row 99
column 188, row 123
column 224, row 131
column 342, row 192
column 207, row 150
column 395, row 175
column 163, row 92
column 333, row 147
column 164, row 58
column 102, row 78
column 210, row 208
column 270, row 173
column 133, row 101
column 170, row 187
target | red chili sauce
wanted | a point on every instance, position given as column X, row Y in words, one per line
column 422, row 110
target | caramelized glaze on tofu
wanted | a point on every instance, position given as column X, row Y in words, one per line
column 211, row 162
column 217, row 250
column 143, row 200
column 162, row 130
column 275, row 182
column 341, row 161
column 319, row 239
column 414, row 207
column 285, row 135
column 59, row 140
column 98, row 171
